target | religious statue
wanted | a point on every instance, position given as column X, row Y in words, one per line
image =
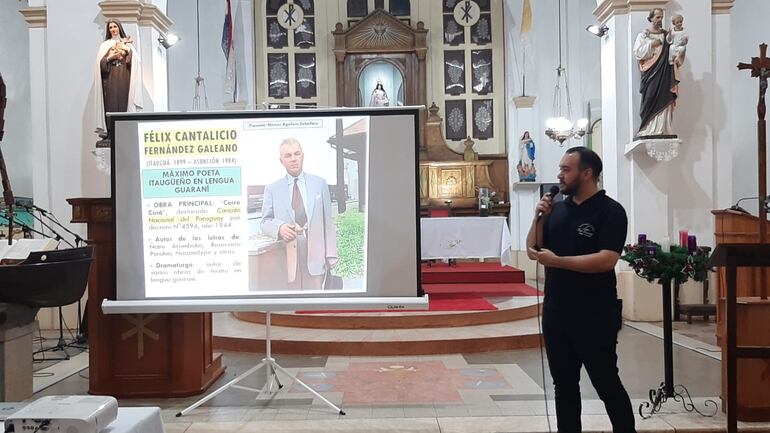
column 660, row 79
column 678, row 39
column 379, row 96
column 118, row 76
column 469, row 154
column 526, row 165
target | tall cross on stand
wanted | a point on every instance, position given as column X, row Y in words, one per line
column 760, row 68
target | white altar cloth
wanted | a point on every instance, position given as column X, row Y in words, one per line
column 466, row 238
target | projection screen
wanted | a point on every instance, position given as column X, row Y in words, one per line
column 268, row 205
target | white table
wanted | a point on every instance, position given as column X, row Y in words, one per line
column 466, row 238
column 137, row 420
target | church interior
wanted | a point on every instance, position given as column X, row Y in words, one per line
column 503, row 88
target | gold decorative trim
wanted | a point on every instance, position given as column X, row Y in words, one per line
column 524, row 101
column 609, row 8
column 721, row 6
column 36, row 17
column 136, row 11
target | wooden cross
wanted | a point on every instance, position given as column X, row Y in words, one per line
column 760, row 68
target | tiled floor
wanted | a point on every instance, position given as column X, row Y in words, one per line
column 487, row 392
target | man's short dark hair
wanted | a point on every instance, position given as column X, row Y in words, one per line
column 588, row 159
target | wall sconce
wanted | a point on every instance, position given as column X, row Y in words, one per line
column 168, row 40
column 598, row 29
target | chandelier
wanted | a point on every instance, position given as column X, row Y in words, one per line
column 560, row 127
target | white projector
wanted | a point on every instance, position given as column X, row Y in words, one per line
column 65, row 414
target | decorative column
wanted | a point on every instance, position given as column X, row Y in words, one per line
column 630, row 176
column 37, row 20
column 524, row 195
column 723, row 69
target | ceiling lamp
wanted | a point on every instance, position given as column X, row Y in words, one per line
column 560, row 127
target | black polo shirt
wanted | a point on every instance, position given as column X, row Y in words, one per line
column 598, row 223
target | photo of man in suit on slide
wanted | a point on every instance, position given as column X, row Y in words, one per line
column 297, row 210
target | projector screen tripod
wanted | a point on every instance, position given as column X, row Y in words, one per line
column 271, row 376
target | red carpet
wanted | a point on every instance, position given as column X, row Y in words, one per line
column 470, row 272
column 439, row 302
column 475, row 279
column 483, row 289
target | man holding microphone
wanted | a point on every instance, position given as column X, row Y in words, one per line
column 578, row 241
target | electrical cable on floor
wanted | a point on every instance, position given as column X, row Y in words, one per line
column 542, row 342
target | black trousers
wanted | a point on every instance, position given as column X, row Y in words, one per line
column 586, row 339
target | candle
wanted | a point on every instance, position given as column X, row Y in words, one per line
column 683, row 238
column 651, row 250
column 691, row 244
column 665, row 244
column 642, row 238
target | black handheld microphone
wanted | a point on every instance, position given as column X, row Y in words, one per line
column 551, row 193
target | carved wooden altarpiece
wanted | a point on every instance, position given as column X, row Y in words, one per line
column 380, row 37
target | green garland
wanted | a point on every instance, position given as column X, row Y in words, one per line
column 676, row 266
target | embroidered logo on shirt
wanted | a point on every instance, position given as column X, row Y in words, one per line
column 586, row 230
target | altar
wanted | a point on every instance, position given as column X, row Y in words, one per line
column 466, row 238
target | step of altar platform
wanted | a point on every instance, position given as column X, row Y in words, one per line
column 470, row 273
column 241, row 336
column 509, row 309
column 481, row 289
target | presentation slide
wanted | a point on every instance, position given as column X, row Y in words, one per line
column 251, row 206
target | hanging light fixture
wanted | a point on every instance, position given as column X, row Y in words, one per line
column 560, row 127
column 200, row 100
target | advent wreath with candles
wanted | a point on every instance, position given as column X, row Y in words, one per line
column 649, row 261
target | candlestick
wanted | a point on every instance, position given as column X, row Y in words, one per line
column 665, row 244
column 642, row 238
column 691, row 244
column 683, row 238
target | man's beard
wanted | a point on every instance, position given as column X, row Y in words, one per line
column 571, row 188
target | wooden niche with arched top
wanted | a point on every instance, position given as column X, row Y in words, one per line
column 381, row 38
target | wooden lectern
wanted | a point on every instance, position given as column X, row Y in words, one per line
column 732, row 227
column 753, row 318
column 139, row 355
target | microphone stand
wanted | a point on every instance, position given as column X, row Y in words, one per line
column 22, row 225
column 32, row 208
column 80, row 337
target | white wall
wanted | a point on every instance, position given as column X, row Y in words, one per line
column 749, row 29
column 691, row 190
column 182, row 58
column 580, row 56
column 14, row 66
column 70, row 86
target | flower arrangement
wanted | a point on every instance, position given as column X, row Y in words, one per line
column 649, row 261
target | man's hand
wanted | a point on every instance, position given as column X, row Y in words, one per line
column 331, row 262
column 544, row 205
column 543, row 256
column 287, row 232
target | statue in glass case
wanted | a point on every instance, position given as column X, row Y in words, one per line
column 379, row 96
